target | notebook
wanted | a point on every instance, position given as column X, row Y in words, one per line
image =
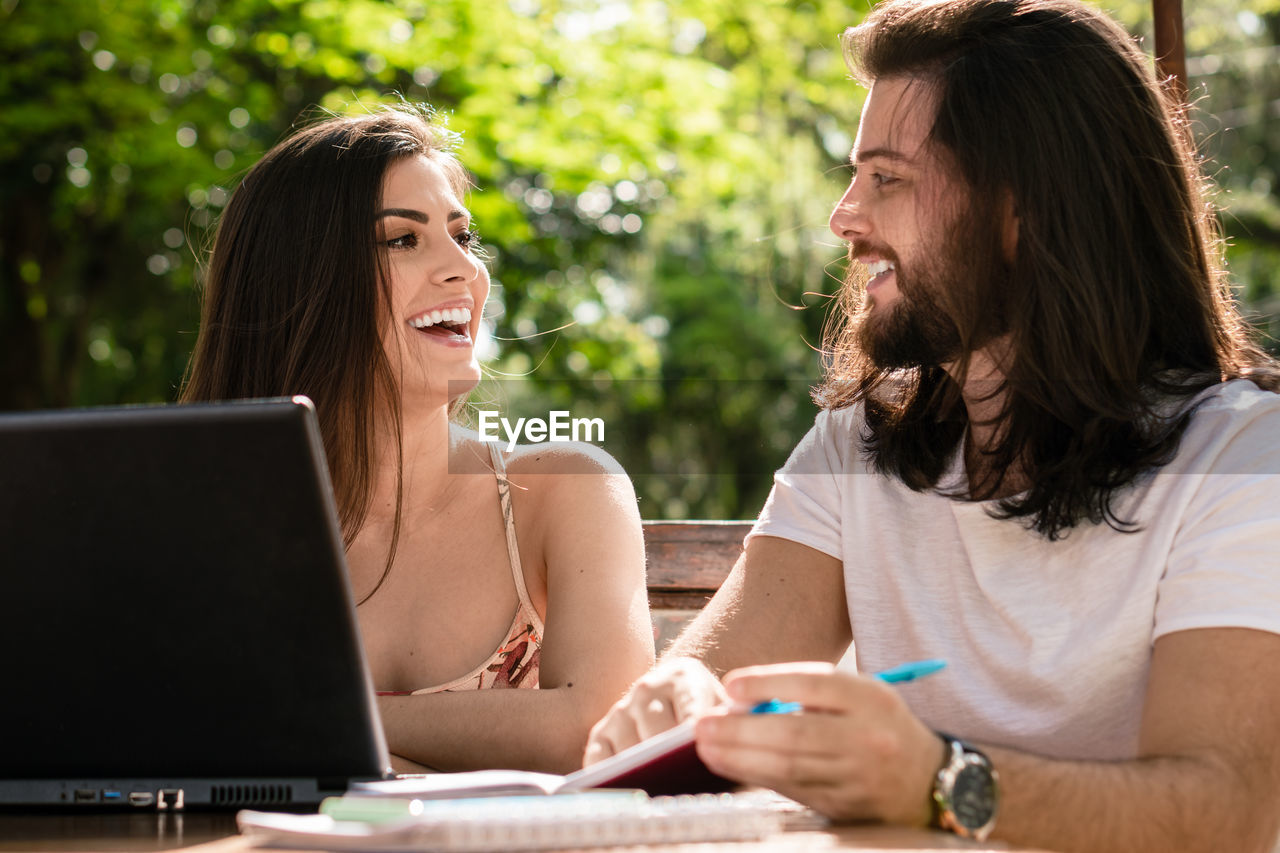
column 593, row 819
column 666, row 764
column 178, row 626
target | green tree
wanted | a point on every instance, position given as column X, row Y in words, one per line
column 1232, row 50
column 653, row 180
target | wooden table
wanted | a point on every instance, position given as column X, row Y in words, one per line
column 209, row 832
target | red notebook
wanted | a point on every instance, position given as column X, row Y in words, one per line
column 665, row 764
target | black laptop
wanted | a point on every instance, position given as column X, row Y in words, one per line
column 177, row 628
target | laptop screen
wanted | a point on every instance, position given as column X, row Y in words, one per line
column 177, row 599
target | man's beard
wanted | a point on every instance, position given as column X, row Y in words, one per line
column 913, row 331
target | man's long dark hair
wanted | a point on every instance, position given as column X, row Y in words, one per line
column 1116, row 305
column 296, row 299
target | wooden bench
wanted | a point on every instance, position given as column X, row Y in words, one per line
column 687, row 561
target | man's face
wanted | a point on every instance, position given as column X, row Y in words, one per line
column 899, row 217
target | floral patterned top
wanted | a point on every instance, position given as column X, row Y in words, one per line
column 515, row 663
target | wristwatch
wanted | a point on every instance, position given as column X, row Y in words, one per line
column 966, row 791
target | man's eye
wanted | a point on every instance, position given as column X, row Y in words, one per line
column 404, row 241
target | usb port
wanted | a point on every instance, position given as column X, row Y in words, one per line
column 86, row 795
column 141, row 798
column 111, row 796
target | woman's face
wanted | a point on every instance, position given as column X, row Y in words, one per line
column 438, row 286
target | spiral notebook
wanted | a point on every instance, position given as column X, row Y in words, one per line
column 589, row 819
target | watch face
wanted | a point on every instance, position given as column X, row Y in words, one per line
column 973, row 797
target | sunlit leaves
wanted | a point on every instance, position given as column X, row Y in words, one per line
column 653, row 178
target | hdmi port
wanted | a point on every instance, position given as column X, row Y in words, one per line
column 141, row 798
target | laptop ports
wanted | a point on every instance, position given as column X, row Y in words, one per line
column 170, row 799
column 86, row 795
column 141, row 798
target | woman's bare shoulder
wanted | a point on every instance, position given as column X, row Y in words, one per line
column 549, row 457
column 566, row 482
column 551, row 478
column 565, row 457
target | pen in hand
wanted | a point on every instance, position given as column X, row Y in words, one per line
column 910, row 671
column 894, row 675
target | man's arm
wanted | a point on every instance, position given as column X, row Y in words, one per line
column 782, row 601
column 1207, row 776
column 1208, row 772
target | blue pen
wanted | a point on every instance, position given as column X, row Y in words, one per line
column 894, row 675
column 911, row 671
column 775, row 706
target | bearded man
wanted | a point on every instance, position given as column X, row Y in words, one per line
column 1048, row 453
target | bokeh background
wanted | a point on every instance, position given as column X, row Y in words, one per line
column 653, row 183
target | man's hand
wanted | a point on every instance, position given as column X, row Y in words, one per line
column 855, row 752
column 669, row 694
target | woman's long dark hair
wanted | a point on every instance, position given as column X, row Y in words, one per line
column 1116, row 303
column 295, row 300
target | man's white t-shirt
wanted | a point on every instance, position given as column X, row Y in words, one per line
column 1047, row 643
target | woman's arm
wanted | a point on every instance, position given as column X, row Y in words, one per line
column 576, row 515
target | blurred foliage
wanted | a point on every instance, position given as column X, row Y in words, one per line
column 1233, row 62
column 653, row 182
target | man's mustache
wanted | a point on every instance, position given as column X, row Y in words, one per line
column 862, row 247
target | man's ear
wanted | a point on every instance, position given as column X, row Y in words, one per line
column 1009, row 227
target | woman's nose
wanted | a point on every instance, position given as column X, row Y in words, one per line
column 454, row 263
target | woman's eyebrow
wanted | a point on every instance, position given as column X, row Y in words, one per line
column 882, row 153
column 418, row 215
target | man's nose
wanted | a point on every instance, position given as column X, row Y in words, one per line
column 849, row 220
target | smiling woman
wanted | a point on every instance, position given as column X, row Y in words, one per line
column 436, row 284
column 345, row 268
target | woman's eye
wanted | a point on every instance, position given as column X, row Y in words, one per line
column 877, row 179
column 469, row 238
column 404, row 241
